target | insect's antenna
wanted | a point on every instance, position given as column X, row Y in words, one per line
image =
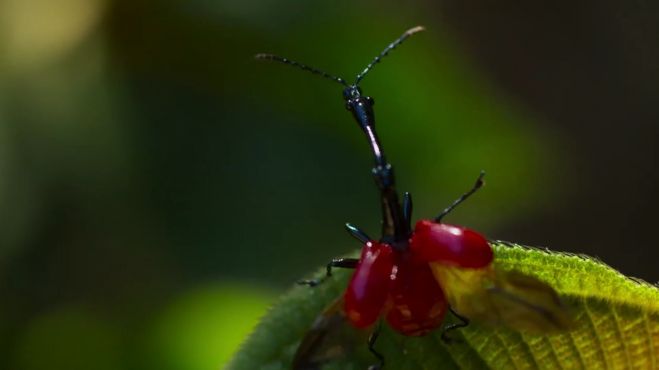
column 386, row 51
column 316, row 71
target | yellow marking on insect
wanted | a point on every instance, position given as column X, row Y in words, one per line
column 353, row 315
column 508, row 298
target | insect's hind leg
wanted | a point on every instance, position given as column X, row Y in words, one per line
column 346, row 263
column 451, row 327
column 371, row 348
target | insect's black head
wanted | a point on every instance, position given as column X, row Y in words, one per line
column 360, row 106
column 354, row 98
column 351, row 92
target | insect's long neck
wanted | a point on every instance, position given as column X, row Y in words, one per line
column 395, row 230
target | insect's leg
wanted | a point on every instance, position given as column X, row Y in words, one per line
column 407, row 210
column 371, row 347
column 463, row 197
column 464, row 322
column 346, row 263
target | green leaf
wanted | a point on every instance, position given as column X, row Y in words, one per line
column 616, row 325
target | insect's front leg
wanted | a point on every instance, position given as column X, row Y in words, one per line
column 450, row 327
column 346, row 263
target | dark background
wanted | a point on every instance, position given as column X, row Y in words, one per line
column 159, row 188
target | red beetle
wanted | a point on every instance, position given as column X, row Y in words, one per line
column 397, row 282
column 398, row 277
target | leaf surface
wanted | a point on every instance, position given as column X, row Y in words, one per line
column 616, row 325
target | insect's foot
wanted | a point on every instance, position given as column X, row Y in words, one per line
column 310, row 283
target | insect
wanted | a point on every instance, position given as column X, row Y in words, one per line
column 413, row 276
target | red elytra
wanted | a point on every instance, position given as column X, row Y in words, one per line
column 400, row 286
column 416, row 301
column 369, row 286
column 449, row 244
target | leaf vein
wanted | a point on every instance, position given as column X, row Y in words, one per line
column 621, row 335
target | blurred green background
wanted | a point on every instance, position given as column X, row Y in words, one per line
column 159, row 188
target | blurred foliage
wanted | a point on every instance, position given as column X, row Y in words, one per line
column 152, row 173
column 202, row 329
column 69, row 338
